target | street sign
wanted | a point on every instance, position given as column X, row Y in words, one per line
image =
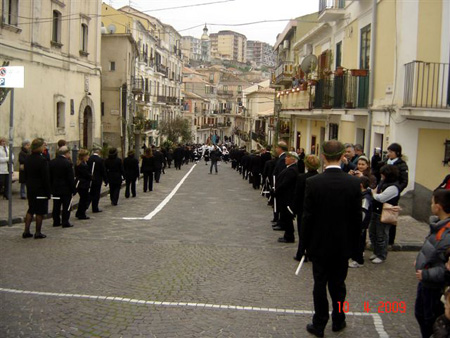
column 12, row 77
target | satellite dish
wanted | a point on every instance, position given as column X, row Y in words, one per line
column 112, row 28
column 309, row 63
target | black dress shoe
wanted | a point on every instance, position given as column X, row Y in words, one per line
column 56, row 225
column 284, row 240
column 277, row 228
column 27, row 235
column 67, row 225
column 313, row 330
column 336, row 327
column 297, row 259
column 83, row 217
column 99, row 210
column 38, row 236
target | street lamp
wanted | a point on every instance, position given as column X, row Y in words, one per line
column 277, row 105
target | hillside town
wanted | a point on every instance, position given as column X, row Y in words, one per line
column 105, row 96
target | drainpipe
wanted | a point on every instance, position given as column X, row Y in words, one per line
column 373, row 41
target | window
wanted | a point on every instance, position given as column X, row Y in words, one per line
column 333, row 133
column 60, row 115
column 239, row 90
column 225, row 89
column 72, row 107
column 338, row 54
column 11, row 12
column 365, row 48
column 112, row 66
column 56, row 34
column 84, row 39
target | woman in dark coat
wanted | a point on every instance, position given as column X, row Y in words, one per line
column 147, row 169
column 115, row 173
column 312, row 164
column 84, row 178
column 24, row 153
column 131, row 168
column 158, row 166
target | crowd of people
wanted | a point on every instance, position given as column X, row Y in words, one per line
column 336, row 200
column 334, row 212
column 60, row 179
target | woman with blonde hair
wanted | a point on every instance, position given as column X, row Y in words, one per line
column 84, row 179
column 312, row 164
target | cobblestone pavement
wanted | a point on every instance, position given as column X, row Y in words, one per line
column 211, row 245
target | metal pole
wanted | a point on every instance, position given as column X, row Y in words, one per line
column 10, row 161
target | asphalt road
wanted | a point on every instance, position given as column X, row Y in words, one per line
column 206, row 265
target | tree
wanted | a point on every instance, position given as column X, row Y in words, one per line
column 176, row 129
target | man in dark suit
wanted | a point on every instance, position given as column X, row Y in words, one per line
column 98, row 177
column 38, row 188
column 63, row 186
column 280, row 165
column 284, row 192
column 330, row 231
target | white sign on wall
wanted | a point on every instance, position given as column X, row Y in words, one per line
column 12, row 77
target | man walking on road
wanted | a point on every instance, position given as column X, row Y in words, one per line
column 330, row 231
column 215, row 157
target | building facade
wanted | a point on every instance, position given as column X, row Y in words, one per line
column 61, row 58
column 371, row 75
column 229, row 45
column 260, row 54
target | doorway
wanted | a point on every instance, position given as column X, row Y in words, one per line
column 87, row 128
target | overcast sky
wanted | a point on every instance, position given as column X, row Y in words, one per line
column 225, row 12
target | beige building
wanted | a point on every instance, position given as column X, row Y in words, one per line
column 61, row 56
column 155, row 88
column 228, row 45
column 119, row 52
column 375, row 77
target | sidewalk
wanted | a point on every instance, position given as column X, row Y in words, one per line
column 410, row 232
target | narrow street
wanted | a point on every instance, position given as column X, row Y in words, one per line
column 206, row 265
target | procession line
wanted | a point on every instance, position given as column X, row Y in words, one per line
column 378, row 322
column 165, row 201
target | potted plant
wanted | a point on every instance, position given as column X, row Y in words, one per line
column 359, row 72
column 339, row 71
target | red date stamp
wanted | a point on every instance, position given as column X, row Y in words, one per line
column 380, row 307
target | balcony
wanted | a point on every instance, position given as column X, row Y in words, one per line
column 427, row 85
column 331, row 10
column 137, row 85
column 284, row 73
column 347, row 91
column 224, row 93
column 151, row 125
column 161, row 99
column 162, row 69
column 172, row 100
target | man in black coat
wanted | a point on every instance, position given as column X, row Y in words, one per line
column 159, row 161
column 284, row 193
column 38, row 188
column 98, row 177
column 331, row 226
column 63, row 186
column 280, row 165
column 131, row 169
column 178, row 155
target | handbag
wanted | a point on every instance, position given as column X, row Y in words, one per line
column 389, row 214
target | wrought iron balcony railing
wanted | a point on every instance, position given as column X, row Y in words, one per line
column 427, row 85
column 330, row 4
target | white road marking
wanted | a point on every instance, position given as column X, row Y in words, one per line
column 378, row 322
column 165, row 201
